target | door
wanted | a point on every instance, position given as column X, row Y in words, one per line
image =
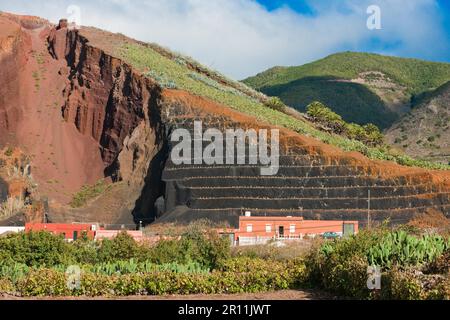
column 281, row 232
column 75, row 235
column 349, row 229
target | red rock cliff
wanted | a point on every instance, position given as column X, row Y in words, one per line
column 14, row 44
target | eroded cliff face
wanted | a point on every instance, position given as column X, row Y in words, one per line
column 14, row 45
column 119, row 108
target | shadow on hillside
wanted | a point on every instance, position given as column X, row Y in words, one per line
column 353, row 101
column 3, row 190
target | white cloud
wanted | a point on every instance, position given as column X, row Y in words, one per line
column 241, row 38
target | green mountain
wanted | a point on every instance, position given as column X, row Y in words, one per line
column 361, row 87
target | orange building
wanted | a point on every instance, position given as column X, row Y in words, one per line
column 253, row 229
column 71, row 232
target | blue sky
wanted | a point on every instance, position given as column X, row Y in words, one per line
column 374, row 43
column 243, row 37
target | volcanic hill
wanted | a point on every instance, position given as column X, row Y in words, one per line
column 91, row 108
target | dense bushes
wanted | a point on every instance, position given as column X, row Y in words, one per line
column 42, row 249
column 413, row 267
column 35, row 249
column 402, row 249
column 53, row 283
column 238, row 276
column 369, row 134
column 341, row 266
column 35, row 264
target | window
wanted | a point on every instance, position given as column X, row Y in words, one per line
column 268, row 228
column 292, row 228
column 249, row 228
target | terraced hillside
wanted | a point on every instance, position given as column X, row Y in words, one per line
column 315, row 181
column 118, row 101
column 425, row 131
column 361, row 87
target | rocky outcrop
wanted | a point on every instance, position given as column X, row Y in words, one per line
column 107, row 100
column 104, row 97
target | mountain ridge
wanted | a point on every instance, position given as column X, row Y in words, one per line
column 362, row 87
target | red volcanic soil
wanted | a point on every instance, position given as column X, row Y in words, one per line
column 63, row 158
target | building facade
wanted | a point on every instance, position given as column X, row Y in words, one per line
column 258, row 230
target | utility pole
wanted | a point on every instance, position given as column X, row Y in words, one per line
column 368, row 209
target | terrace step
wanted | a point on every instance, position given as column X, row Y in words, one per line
column 388, row 203
column 254, row 170
column 300, row 192
column 292, row 181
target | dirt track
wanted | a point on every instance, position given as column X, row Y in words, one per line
column 278, row 295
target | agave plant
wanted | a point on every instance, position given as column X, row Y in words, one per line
column 402, row 249
column 14, row 271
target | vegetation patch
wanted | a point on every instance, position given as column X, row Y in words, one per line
column 89, row 192
column 403, row 257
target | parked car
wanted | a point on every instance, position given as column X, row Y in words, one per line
column 330, row 235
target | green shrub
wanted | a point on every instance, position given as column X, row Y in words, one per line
column 85, row 251
column 122, row 247
column 89, row 192
column 368, row 134
column 130, row 285
column 35, row 249
column 324, row 115
column 45, row 283
column 95, row 285
column 13, row 271
column 275, row 103
column 401, row 285
column 205, row 247
column 9, row 151
column 7, row 286
column 441, row 264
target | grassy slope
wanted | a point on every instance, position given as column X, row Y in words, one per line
column 425, row 131
column 172, row 70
